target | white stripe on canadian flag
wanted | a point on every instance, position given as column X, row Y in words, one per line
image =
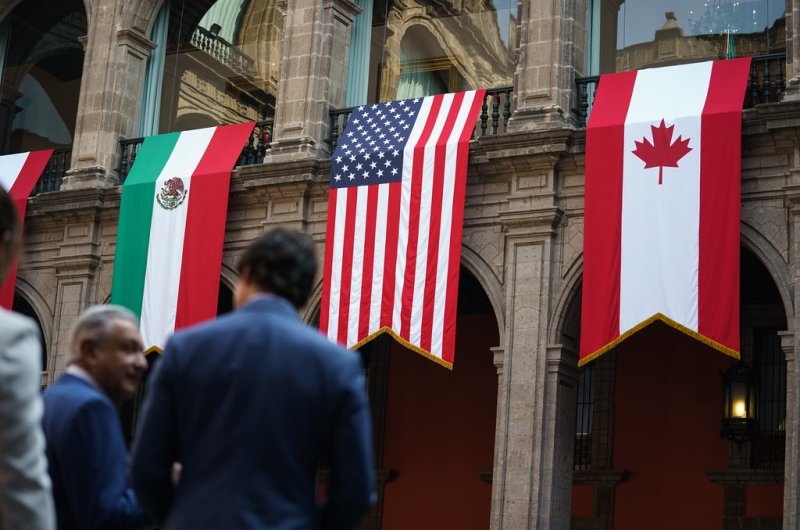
column 660, row 222
column 661, row 239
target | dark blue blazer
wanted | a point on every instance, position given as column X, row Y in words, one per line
column 87, row 459
column 250, row 404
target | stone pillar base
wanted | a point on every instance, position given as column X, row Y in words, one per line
column 86, row 178
column 294, row 149
column 538, row 118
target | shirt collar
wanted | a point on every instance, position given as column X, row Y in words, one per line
column 81, row 374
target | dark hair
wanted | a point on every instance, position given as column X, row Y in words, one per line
column 9, row 232
column 282, row 262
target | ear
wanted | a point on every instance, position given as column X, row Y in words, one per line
column 87, row 348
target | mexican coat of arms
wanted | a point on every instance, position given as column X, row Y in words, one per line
column 172, row 194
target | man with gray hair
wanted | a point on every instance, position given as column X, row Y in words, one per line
column 85, row 445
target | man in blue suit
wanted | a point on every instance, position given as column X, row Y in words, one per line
column 250, row 404
column 86, row 451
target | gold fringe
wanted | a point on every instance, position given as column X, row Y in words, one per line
column 152, row 349
column 395, row 336
column 669, row 322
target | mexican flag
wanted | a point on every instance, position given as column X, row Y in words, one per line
column 172, row 226
column 661, row 225
column 18, row 176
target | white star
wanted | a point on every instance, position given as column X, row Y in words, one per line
column 366, row 175
column 351, row 176
column 380, row 173
column 394, row 171
column 338, row 159
column 373, row 165
column 359, row 167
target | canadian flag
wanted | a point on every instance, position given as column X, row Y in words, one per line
column 18, row 176
column 661, row 233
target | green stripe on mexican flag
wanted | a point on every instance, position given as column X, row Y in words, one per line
column 172, row 226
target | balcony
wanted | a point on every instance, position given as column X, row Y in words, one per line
column 493, row 119
column 252, row 153
column 766, row 84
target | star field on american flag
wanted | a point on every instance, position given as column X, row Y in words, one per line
column 371, row 149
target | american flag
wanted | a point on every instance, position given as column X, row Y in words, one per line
column 395, row 212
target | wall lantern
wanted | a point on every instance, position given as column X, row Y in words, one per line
column 738, row 403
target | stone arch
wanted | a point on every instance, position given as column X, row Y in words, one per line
column 43, row 313
column 771, row 259
column 566, row 303
column 751, row 239
column 140, row 15
column 475, row 264
column 470, row 260
column 6, row 7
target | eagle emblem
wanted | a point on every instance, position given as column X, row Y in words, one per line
column 172, row 194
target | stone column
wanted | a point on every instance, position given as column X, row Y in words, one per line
column 313, row 76
column 791, row 479
column 113, row 75
column 545, row 63
column 532, row 477
column 792, row 50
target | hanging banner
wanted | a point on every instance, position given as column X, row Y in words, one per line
column 172, row 226
column 395, row 215
column 661, row 231
column 19, row 174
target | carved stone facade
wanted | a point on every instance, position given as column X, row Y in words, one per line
column 523, row 228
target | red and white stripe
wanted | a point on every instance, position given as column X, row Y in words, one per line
column 18, row 176
column 393, row 250
column 665, row 251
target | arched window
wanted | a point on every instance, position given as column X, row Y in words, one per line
column 21, row 306
column 222, row 63
column 633, row 35
column 41, row 74
column 418, row 48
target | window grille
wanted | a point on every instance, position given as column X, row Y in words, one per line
column 583, row 418
column 770, row 368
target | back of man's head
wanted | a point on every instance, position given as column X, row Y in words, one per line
column 9, row 233
column 282, row 262
column 95, row 324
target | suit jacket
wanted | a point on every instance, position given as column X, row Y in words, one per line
column 25, row 500
column 88, row 459
column 249, row 404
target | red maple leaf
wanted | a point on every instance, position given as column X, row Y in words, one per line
column 663, row 152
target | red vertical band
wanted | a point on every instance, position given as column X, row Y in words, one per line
column 20, row 190
column 602, row 231
column 205, row 225
column 720, row 195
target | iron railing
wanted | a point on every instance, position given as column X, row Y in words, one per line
column 766, row 84
column 493, row 119
column 54, row 171
column 252, row 153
